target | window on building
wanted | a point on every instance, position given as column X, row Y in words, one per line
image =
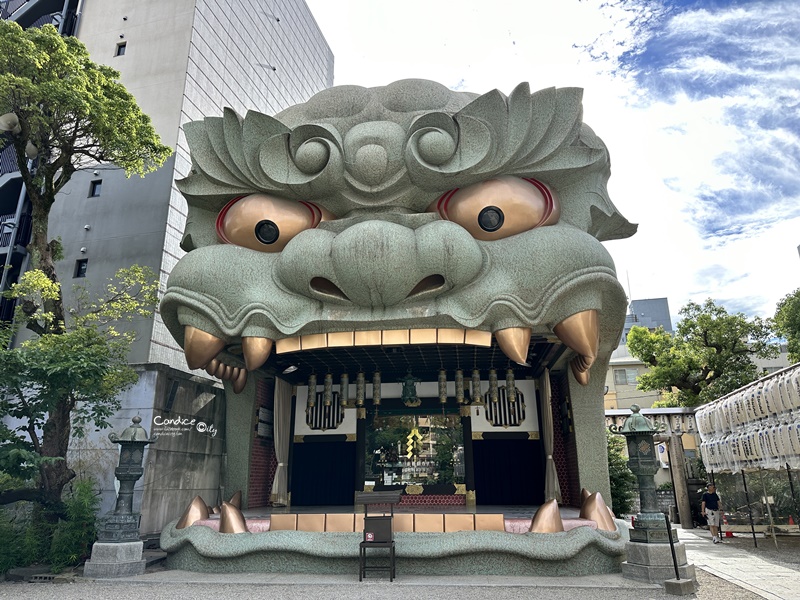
column 95, row 187
column 80, row 267
column 121, row 49
column 625, row 376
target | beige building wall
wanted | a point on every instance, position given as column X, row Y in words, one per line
column 156, row 35
column 187, row 59
column 246, row 55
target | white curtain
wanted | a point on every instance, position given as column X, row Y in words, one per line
column 551, row 487
column 283, row 422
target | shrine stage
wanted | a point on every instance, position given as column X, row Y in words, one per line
column 581, row 549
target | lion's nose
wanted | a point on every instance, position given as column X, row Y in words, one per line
column 379, row 263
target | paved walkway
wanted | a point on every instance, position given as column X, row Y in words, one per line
column 739, row 567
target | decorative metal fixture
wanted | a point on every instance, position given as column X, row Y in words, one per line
column 459, row 386
column 511, row 390
column 344, row 389
column 493, row 395
column 376, row 388
column 360, row 388
column 476, row 395
column 442, row 386
column 312, row 391
column 409, row 393
column 327, row 394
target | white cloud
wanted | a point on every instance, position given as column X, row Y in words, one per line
column 700, row 132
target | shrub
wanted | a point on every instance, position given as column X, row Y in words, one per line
column 73, row 537
column 11, row 543
column 622, row 480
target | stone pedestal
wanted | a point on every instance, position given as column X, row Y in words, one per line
column 655, row 535
column 115, row 560
column 653, row 562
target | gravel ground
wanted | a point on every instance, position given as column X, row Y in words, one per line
column 364, row 591
column 786, row 555
column 710, row 588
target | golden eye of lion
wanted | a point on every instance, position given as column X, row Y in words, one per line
column 499, row 208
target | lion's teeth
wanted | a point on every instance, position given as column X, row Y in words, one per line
column 581, row 333
column 514, row 343
column 200, row 347
column 256, row 351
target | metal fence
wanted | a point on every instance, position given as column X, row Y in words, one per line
column 9, row 7
column 8, row 160
column 764, row 501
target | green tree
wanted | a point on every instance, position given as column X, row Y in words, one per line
column 74, row 113
column 710, row 355
column 68, row 113
column 446, row 430
column 622, row 480
column 787, row 323
column 64, row 379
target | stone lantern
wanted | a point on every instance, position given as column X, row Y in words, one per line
column 649, row 555
column 648, row 525
column 118, row 550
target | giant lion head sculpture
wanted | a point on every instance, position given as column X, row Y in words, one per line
column 409, row 214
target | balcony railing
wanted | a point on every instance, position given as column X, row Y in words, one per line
column 8, row 231
column 7, row 309
column 9, row 7
column 8, row 160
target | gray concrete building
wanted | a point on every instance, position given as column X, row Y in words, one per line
column 182, row 60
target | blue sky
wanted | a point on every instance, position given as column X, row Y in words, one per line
column 698, row 101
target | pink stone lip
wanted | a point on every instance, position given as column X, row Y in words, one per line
column 512, row 525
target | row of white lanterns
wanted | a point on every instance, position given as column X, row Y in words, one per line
column 757, row 426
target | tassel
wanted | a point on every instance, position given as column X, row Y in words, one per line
column 460, row 386
column 493, row 385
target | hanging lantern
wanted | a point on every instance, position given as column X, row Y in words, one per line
column 442, row 386
column 493, row 385
column 344, row 389
column 511, row 389
column 460, row 386
column 327, row 394
column 376, row 388
column 312, row 391
column 477, row 396
column 360, row 388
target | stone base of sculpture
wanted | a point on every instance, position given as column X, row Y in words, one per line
column 653, row 562
column 115, row 560
column 577, row 552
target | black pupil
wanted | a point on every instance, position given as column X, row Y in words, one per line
column 267, row 232
column 490, row 218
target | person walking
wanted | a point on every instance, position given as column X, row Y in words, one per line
column 711, row 509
